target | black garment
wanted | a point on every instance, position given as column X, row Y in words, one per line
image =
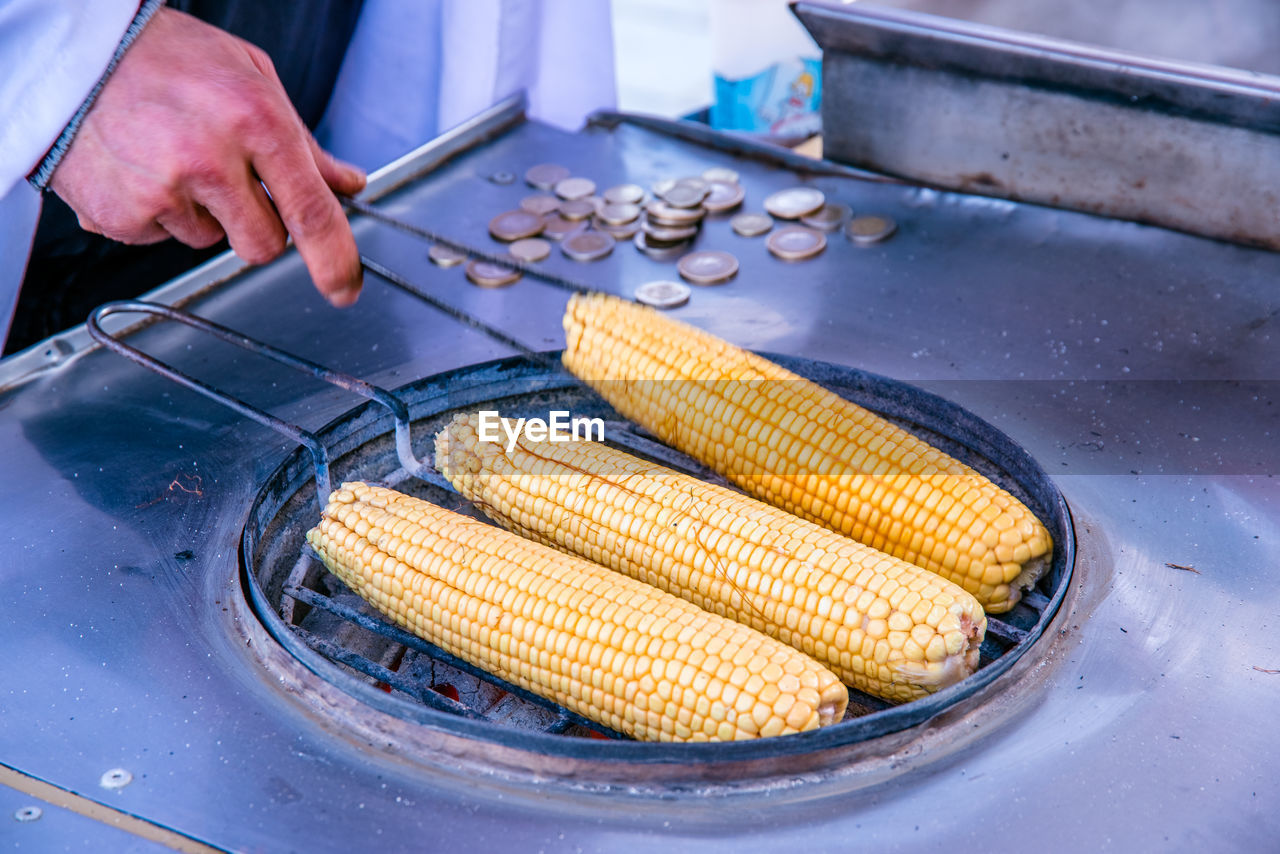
column 71, row 271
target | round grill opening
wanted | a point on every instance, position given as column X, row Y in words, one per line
column 418, row 695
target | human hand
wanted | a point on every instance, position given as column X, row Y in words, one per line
column 181, row 141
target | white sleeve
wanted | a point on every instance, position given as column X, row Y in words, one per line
column 52, row 53
column 19, row 212
column 416, row 68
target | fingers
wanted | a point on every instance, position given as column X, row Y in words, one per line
column 312, row 215
column 244, row 211
column 139, row 232
column 342, row 178
column 182, row 140
column 193, row 225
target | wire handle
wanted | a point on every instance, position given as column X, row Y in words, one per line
column 319, row 455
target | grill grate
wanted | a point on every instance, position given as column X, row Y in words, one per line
column 1003, row 633
column 416, row 688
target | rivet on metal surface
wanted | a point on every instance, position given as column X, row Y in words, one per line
column 56, row 351
column 25, row 814
column 116, row 778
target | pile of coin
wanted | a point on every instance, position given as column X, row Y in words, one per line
column 619, row 212
column 672, row 219
column 662, row 222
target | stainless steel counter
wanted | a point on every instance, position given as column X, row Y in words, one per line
column 1139, row 366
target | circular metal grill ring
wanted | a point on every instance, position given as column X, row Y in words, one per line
column 361, row 446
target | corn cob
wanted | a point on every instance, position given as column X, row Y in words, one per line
column 882, row 625
column 614, row 650
column 800, row 447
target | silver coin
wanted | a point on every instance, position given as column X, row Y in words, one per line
column 587, row 246
column 796, row 242
column 723, row 196
column 540, row 204
column 576, row 209
column 751, row 224
column 617, row 232
column 516, row 225
column 544, row 176
column 708, row 268
column 530, row 249
column 619, row 213
column 658, row 253
column 794, row 202
column 662, row 235
column 694, row 182
column 720, row 173
column 686, row 195
column 488, row 275
column 870, row 229
column 624, row 194
column 443, row 256
column 663, row 294
column 829, row 217
column 575, row 188
column 558, row 228
column 665, row 214
column 662, row 185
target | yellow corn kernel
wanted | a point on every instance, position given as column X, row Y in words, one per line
column 729, row 554
column 824, row 457
column 539, row 609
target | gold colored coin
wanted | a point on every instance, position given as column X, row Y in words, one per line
column 794, row 202
column 829, row 217
column 575, row 188
column 488, row 275
column 587, row 246
column 662, row 235
column 664, row 214
column 708, row 268
column 685, row 194
column 443, row 256
column 558, row 228
column 618, row 232
column 723, row 196
column 540, row 204
column 866, row 230
column 662, row 185
column 516, row 225
column 624, row 194
column 544, row 176
column 751, row 224
column 619, row 214
column 796, row 242
column 720, row 173
column 658, row 253
column 576, row 209
column 530, row 249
